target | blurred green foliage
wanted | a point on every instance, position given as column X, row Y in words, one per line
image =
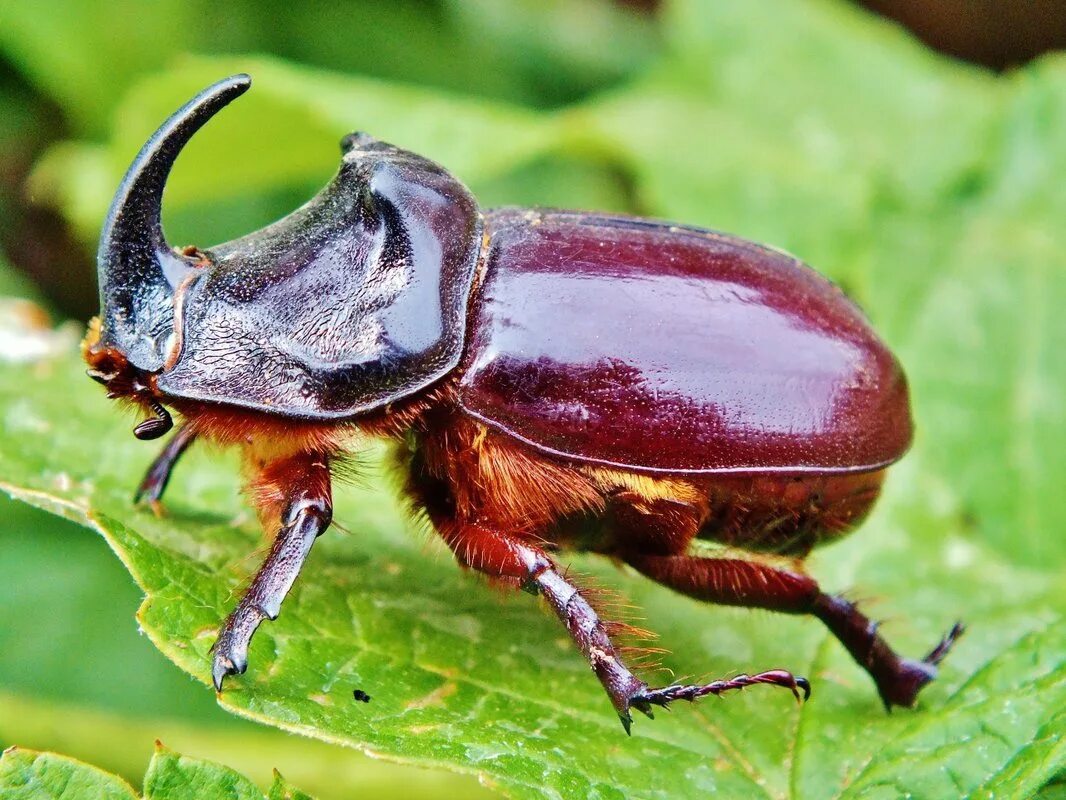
column 29, row 775
column 84, row 54
column 929, row 190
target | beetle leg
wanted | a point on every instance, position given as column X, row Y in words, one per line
column 747, row 583
column 156, row 478
column 514, row 558
column 307, row 511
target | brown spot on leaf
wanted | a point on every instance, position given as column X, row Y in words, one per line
column 434, row 698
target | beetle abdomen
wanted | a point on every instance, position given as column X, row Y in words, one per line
column 656, row 347
column 787, row 514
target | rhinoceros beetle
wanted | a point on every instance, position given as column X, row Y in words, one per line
column 552, row 380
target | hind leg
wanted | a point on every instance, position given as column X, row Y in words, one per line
column 749, row 583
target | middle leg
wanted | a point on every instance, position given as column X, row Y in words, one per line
column 517, row 560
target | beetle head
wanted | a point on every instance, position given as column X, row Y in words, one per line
column 356, row 299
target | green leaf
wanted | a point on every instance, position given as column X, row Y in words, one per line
column 281, row 790
column 55, row 49
column 78, row 678
column 51, row 638
column 175, row 777
column 29, row 775
column 119, row 740
column 995, row 719
column 845, row 88
column 1038, row 764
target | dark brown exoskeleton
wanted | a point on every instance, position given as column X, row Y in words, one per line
column 553, row 379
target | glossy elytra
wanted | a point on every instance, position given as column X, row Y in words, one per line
column 552, row 380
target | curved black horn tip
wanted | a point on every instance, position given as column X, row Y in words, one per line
column 142, row 188
column 219, row 94
column 238, row 83
column 173, row 134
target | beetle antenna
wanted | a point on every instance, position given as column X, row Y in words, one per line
column 157, row 426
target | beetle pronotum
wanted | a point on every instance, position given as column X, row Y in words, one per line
column 553, row 380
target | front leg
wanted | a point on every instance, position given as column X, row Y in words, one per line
column 158, row 475
column 514, row 558
column 300, row 488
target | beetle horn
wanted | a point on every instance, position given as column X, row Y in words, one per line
column 138, row 271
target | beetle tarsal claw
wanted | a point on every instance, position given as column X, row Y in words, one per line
column 645, row 709
column 643, row 700
column 220, row 670
column 910, row 676
column 231, row 649
column 943, row 647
